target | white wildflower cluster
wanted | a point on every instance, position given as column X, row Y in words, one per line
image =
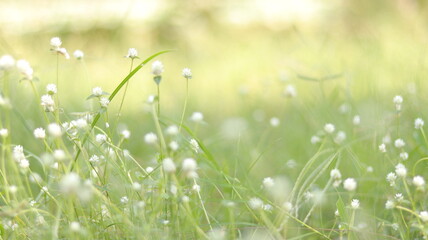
column 336, row 176
column 56, row 47
column 398, row 100
column 391, row 178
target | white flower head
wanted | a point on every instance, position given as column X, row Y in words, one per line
column 126, row 134
column 197, row 117
column 315, row 139
column 189, row 165
column 4, row 132
column 355, row 204
column 401, row 170
column 187, row 73
column 100, row 138
column 56, row 42
column 398, row 100
column 172, row 130
column 78, row 54
column 391, row 177
column 335, row 174
column 63, row 52
column 25, row 68
column 287, row 206
column 24, row 164
column 150, row 138
column 290, row 91
column 168, row 165
column 382, row 148
column 97, row 91
column 419, row 123
column 75, row 227
column 389, row 204
column 356, row 120
column 48, row 103
column 6, row 62
column 274, row 122
column 54, row 130
column 329, row 128
column 173, row 145
column 51, row 89
column 70, row 183
column 424, row 216
column 157, row 68
column 399, row 143
column 39, row 133
column 104, row 102
column 404, row 155
column 59, row 154
column 132, row 53
column 350, row 184
column 340, row 137
column 268, row 182
column 195, row 145
column 124, row 200
column 419, row 182
column 255, row 203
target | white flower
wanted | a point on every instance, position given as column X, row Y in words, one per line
column 369, row 169
column 124, row 200
column 150, row 138
column 274, row 122
column 255, row 203
column 401, row 170
column 126, row 134
column 335, row 174
column 173, row 145
column 136, row 186
column 404, row 155
column 13, row 189
column 419, row 181
column 151, row 99
column 70, row 183
column 4, row 132
column 97, row 91
column 56, row 42
column 399, row 197
column 399, row 143
column 391, row 177
column 287, row 206
column 172, row 130
column 51, row 89
column 24, row 164
column 168, row 165
column 195, row 145
column 187, row 73
column 356, row 120
column 290, row 91
column 6, row 62
column 398, row 100
column 189, row 165
column 59, row 154
column 54, row 130
column 268, row 182
column 419, row 123
column 355, row 204
column 94, row 159
column 75, row 226
column 149, row 169
column 424, row 216
column 382, row 147
column 25, row 68
column 315, row 139
column 39, row 133
column 63, row 52
column 81, row 123
column 100, row 138
column 386, row 139
column 47, row 103
column 78, row 54
column 197, row 117
column 185, row 199
column 389, row 204
column 18, row 153
column 104, row 102
column 132, row 53
column 267, row 207
column 340, row 137
column 196, row 188
column 329, row 128
column 157, row 68
column 350, row 184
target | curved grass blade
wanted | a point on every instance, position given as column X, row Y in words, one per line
column 116, row 90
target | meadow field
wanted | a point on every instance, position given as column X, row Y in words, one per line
column 245, row 119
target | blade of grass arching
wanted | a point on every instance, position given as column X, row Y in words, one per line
column 116, row 90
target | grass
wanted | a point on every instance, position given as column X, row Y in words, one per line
column 250, row 178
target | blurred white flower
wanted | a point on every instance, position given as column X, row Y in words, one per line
column 172, row 130
column 419, row 123
column 197, row 117
column 104, row 102
column 355, row 204
column 132, row 53
column 356, row 120
column 4, row 132
column 39, row 133
column 54, row 130
column 187, row 73
column 399, row 143
column 157, row 68
column 47, row 103
column 329, row 128
column 274, row 122
column 350, row 184
column 189, row 165
column 168, row 165
column 290, row 91
column 382, row 148
column 419, row 182
column 391, row 177
column 389, row 204
column 6, row 62
column 150, row 138
column 255, row 203
column 97, row 91
column 401, row 170
column 56, row 42
column 78, row 54
column 25, row 68
column 268, row 182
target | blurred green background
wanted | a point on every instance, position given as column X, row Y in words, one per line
column 242, row 55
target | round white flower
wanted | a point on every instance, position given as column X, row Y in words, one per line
column 97, row 91
column 382, row 147
column 350, row 184
column 419, row 123
column 340, row 137
column 70, row 183
column 59, row 154
column 100, row 138
column 25, row 68
column 255, row 203
column 391, row 177
column 287, row 206
column 399, row 143
column 168, row 165
column 187, row 73
column 126, row 134
column 136, row 186
column 197, row 117
column 24, row 164
column 274, row 122
column 6, row 62
column 329, row 128
column 196, row 188
column 104, row 102
column 124, row 200
column 51, row 89
column 173, row 145
column 189, row 165
column 268, row 182
column 56, row 42
column 54, row 130
column 78, row 54
column 424, row 216
column 172, row 130
column 39, row 133
column 4, row 132
column 315, row 139
column 47, row 103
column 132, row 53
column 157, row 68
column 401, row 170
column 150, row 138
column 389, row 204
column 356, row 120
column 419, row 181
column 335, row 174
column 75, row 226
column 398, row 99
column 355, row 204
column 404, row 155
column 290, row 91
